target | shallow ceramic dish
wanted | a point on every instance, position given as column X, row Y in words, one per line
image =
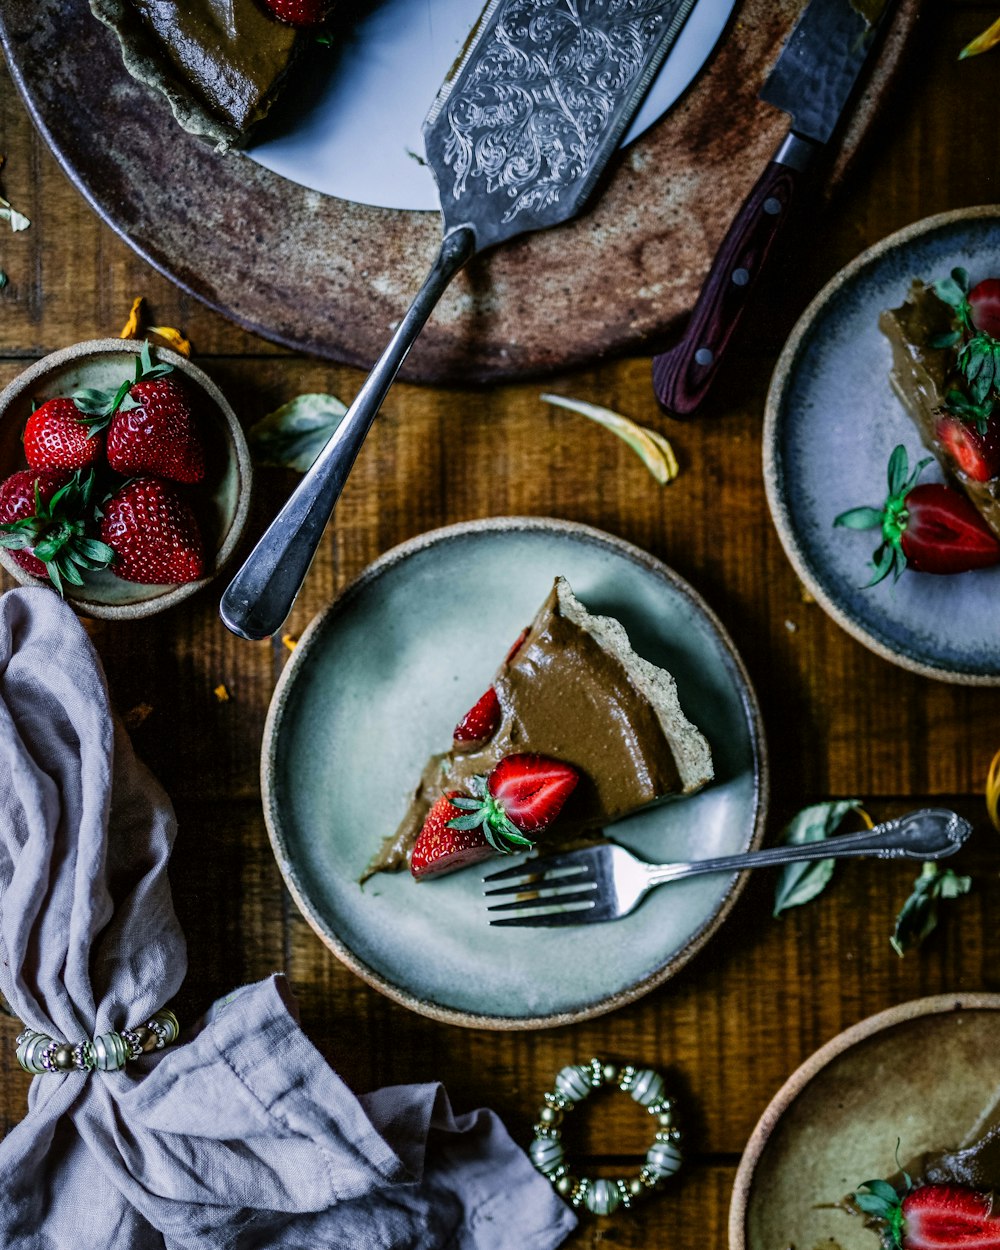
column 377, row 683
column 831, row 423
column 221, row 503
column 835, row 1123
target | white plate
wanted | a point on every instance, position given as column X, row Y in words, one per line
column 355, row 130
column 376, row 685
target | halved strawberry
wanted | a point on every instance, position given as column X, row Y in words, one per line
column 976, row 455
column 57, row 436
column 523, row 794
column 299, row 12
column 984, row 307
column 440, row 848
column 480, row 722
column 949, row 1217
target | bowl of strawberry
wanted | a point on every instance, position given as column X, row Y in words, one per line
column 126, row 477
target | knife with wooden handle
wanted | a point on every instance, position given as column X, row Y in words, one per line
column 813, row 81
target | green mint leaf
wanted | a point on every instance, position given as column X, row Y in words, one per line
column 860, row 519
column 294, row 435
column 799, row 883
column 919, row 914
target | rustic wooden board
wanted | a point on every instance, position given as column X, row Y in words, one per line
column 331, row 277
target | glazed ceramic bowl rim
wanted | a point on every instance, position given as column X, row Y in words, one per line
column 937, row 1004
column 325, row 931
column 239, row 451
column 780, row 379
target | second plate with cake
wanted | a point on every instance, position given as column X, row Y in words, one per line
column 376, row 686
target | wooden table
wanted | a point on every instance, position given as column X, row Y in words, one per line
column 840, row 722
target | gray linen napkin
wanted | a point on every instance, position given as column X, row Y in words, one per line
column 240, row 1135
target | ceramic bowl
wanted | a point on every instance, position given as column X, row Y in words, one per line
column 836, row 1122
column 221, row 502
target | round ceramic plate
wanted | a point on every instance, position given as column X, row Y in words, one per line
column 376, row 685
column 832, row 421
column 836, row 1122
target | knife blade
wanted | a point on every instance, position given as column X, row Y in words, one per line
column 813, row 80
column 517, row 138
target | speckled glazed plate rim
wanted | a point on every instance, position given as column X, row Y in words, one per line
column 938, row 1004
column 239, row 451
column 780, row 382
column 325, row 931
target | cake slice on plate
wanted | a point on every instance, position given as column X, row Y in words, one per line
column 573, row 694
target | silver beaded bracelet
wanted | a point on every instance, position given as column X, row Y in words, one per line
column 38, row 1053
column 573, row 1084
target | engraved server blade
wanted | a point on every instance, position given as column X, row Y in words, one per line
column 517, row 138
column 530, row 114
column 814, row 76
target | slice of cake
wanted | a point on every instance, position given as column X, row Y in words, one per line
column 573, row 691
column 930, row 375
column 220, row 63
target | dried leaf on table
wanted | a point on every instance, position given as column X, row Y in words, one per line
column 993, row 792
column 800, row 883
column 649, row 445
column 919, row 916
column 132, row 329
column 293, row 435
column 982, row 43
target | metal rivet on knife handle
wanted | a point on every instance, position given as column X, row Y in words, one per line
column 520, row 98
column 812, row 80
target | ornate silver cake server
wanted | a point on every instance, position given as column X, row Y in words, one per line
column 517, row 137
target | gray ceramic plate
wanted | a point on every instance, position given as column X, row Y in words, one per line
column 832, row 421
column 377, row 683
column 835, row 1123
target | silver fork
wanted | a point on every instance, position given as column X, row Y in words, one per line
column 605, row 882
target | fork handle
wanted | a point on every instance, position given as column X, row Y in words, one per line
column 930, row 833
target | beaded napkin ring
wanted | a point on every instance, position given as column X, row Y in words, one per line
column 572, row 1085
column 37, row 1053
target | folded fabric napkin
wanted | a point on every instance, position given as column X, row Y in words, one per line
column 240, row 1135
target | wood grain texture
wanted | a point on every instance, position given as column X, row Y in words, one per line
column 840, row 722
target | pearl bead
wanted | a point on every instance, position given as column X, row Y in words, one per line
column 636, row 1187
column 666, row 1118
column 550, row 1115
column 62, row 1059
column 610, row 1073
column 566, row 1184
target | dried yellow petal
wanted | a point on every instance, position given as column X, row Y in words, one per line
column 221, row 693
column 993, row 792
column 982, row 43
column 289, row 642
column 173, row 338
column 135, row 716
column 130, row 330
column 652, row 448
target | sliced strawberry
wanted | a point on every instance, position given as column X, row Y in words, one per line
column 531, row 789
column 984, row 306
column 57, row 437
column 949, row 1217
column 480, row 721
column 153, row 533
column 440, row 849
column 944, row 533
column 976, row 455
column 299, row 12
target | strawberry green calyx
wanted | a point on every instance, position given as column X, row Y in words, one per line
column 56, row 533
column 978, row 349
column 100, row 406
column 892, row 518
column 488, row 813
column 883, row 1203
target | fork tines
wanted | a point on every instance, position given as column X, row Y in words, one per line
column 548, row 892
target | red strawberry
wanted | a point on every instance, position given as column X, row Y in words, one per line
column 480, row 721
column 44, row 514
column 949, row 1217
column 57, row 437
column 523, row 794
column 984, row 306
column 153, row 533
column 440, row 848
column 976, row 455
column 930, row 528
column 299, row 12
column 154, row 431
